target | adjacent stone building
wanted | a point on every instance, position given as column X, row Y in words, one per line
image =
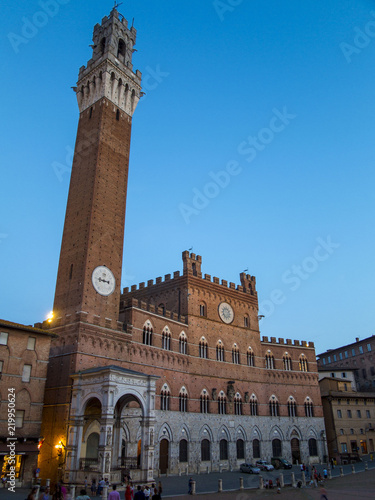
column 169, row 376
column 24, row 353
column 349, row 417
column 358, row 357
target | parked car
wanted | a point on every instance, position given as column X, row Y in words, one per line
column 280, row 463
column 263, row 465
column 249, row 468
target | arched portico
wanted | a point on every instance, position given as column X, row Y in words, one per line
column 118, row 405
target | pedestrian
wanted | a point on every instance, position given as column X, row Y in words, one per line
column 114, row 495
column 83, row 495
column 101, row 485
column 139, row 495
column 333, row 463
column 32, row 494
column 44, row 493
column 147, row 492
column 190, row 492
column 323, row 494
column 302, row 467
column 58, row 495
column 93, row 487
column 86, row 483
column 63, row 490
column 156, row 495
column 160, row 488
column 129, row 494
column 325, row 473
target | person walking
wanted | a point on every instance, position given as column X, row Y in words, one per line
column 147, row 492
column 114, row 495
column 32, row 494
column 190, row 492
column 139, row 494
column 156, row 495
column 93, row 487
column 83, row 495
column 58, row 494
column 44, row 493
column 325, row 473
column 129, row 493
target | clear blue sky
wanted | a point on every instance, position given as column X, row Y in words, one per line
column 216, row 79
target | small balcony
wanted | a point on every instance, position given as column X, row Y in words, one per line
column 91, row 464
column 127, row 463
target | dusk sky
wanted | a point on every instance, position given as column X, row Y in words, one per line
column 254, row 144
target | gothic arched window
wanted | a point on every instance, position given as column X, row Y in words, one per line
column 274, row 407
column 250, row 357
column 303, row 366
column 183, row 343
column 235, row 355
column 220, row 353
column 292, row 407
column 147, row 333
column 203, row 348
column 164, row 398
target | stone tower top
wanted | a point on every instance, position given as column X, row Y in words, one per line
column 109, row 73
column 192, row 263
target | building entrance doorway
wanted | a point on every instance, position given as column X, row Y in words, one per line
column 296, row 454
column 163, row 456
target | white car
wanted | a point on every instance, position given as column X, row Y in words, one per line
column 263, row 465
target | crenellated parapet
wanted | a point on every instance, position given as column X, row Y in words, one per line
column 288, row 342
column 151, row 308
column 192, row 267
column 109, row 73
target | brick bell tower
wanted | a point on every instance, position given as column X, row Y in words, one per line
column 87, row 297
column 89, row 273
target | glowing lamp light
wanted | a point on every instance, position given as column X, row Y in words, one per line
column 59, row 447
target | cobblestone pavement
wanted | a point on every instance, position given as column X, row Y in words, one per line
column 359, row 486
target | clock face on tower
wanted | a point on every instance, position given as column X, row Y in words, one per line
column 103, row 280
column 226, row 313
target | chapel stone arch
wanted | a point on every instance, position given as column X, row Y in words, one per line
column 121, row 409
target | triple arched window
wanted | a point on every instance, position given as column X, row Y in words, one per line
column 270, row 361
column 222, row 404
column 165, row 398
column 287, row 362
column 250, row 357
column 237, row 404
column 183, row 399
column 204, row 402
column 220, row 353
column 235, row 355
column 274, row 407
column 303, row 365
column 147, row 333
column 182, row 343
column 166, row 339
column 309, row 408
column 292, row 407
column 203, row 348
column 253, row 405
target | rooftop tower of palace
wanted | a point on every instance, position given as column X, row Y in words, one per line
column 166, row 377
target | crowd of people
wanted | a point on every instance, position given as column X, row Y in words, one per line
column 62, row 492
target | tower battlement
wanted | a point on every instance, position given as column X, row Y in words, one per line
column 109, row 73
column 288, row 342
column 192, row 267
